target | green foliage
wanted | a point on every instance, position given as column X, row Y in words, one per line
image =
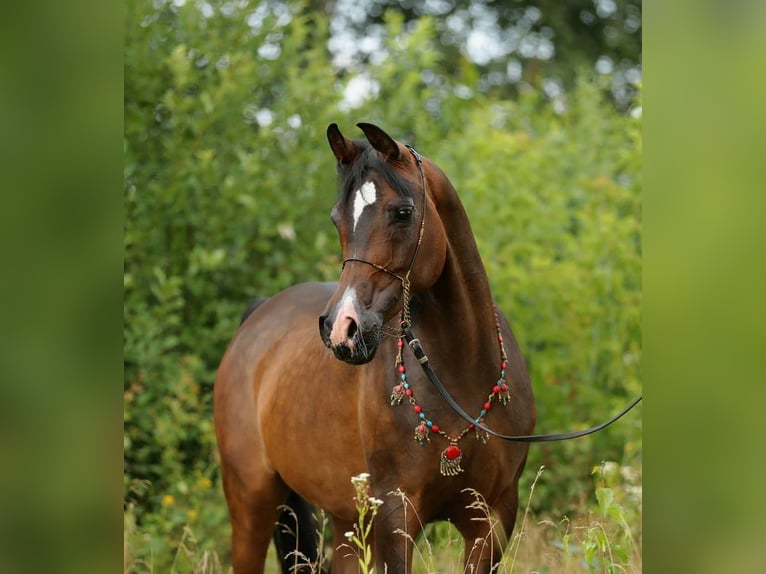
column 544, row 41
column 185, row 530
column 610, row 541
column 225, row 199
column 228, row 187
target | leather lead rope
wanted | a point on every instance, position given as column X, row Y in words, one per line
column 422, row 359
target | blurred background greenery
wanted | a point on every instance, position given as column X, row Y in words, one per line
column 533, row 109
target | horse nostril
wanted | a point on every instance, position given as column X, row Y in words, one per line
column 352, row 329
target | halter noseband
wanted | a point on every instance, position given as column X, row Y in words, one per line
column 405, row 281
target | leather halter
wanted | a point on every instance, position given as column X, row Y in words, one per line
column 417, row 349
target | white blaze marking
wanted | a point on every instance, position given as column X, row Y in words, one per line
column 365, row 195
column 345, row 315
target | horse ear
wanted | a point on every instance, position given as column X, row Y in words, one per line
column 344, row 149
column 381, row 141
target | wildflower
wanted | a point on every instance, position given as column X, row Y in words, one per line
column 168, row 499
column 376, row 502
column 205, row 482
column 360, row 478
column 349, row 534
column 191, row 514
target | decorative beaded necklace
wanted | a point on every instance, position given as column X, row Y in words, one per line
column 452, row 454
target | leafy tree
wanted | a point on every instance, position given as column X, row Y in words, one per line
column 222, row 184
column 543, row 43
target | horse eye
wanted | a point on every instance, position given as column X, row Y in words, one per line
column 403, row 214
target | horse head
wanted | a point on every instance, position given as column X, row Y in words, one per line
column 390, row 236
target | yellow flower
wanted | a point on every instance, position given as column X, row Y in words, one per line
column 191, row 514
column 168, row 499
column 205, row 482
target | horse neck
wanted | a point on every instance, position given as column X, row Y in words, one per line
column 461, row 302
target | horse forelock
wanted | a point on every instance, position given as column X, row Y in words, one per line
column 367, row 162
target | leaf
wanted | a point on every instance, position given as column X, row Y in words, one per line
column 605, row 497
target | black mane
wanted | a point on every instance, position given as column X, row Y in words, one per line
column 369, row 160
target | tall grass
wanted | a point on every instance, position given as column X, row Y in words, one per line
column 604, row 536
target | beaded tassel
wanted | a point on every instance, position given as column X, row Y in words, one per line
column 450, row 460
column 397, row 395
column 400, row 391
column 421, row 434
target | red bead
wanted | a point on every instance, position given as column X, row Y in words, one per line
column 401, row 368
column 408, row 392
column 435, row 428
column 487, row 405
column 400, row 343
column 471, row 426
column 503, row 387
column 504, row 365
column 500, row 338
column 495, row 389
column 451, row 452
column 418, row 408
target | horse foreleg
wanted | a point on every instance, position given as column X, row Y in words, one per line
column 253, row 514
column 486, row 534
column 395, row 529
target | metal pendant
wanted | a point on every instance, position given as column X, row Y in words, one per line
column 397, row 395
column 504, row 396
column 482, row 435
column 421, row 434
column 450, row 460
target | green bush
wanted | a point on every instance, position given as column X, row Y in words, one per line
column 227, row 190
column 228, row 187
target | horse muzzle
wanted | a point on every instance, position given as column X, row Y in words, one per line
column 351, row 334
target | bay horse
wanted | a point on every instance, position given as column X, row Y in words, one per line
column 318, row 385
